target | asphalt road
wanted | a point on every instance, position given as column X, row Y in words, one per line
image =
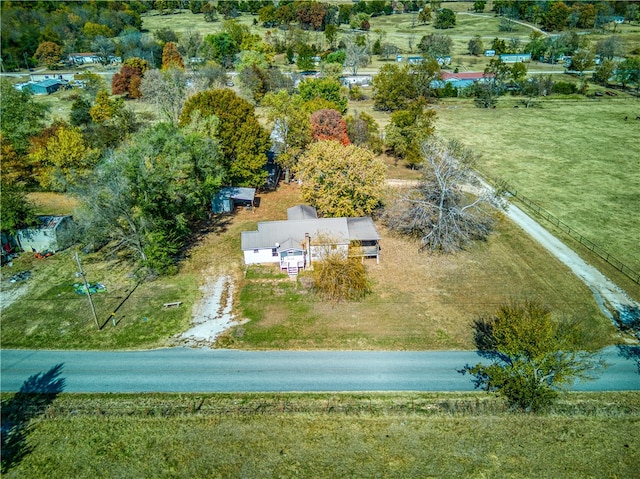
column 206, row 370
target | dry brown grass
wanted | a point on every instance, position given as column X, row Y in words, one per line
column 419, row 300
column 48, row 203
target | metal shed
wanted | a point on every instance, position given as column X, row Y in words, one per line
column 231, row 196
column 45, row 87
column 52, row 233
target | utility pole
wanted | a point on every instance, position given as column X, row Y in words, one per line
column 86, row 285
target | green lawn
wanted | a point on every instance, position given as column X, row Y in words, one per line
column 396, row 435
column 50, row 315
column 576, row 158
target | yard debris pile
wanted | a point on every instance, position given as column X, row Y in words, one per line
column 21, row 276
column 93, row 288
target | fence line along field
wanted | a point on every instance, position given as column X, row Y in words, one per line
column 577, row 159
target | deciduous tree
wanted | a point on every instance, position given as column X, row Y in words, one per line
column 476, row 46
column 438, row 212
column 445, row 18
column 291, row 127
column 407, row 130
column 64, row 159
column 356, row 55
column 144, row 199
column 327, row 124
column 341, row 181
column 326, row 88
column 340, row 278
column 393, row 87
column 243, row 141
column 49, row 54
column 171, row 57
column 17, row 210
column 363, row 130
column 435, row 45
column 533, row 354
column 20, row 116
column 168, row 90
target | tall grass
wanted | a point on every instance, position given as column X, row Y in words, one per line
column 332, row 436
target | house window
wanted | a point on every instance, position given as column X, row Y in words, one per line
column 274, row 251
column 334, row 246
column 256, row 251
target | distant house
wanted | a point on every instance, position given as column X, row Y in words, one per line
column 83, row 58
column 90, row 58
column 360, row 80
column 461, row 80
column 418, row 59
column 229, row 197
column 62, row 76
column 489, row 53
column 44, row 87
column 515, row 57
column 303, row 238
column 52, row 233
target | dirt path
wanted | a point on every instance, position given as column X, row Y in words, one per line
column 612, row 300
column 213, row 315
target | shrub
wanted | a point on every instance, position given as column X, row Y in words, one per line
column 564, row 88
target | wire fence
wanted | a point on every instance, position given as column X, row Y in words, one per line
column 590, row 245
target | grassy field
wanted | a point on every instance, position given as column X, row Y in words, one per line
column 577, row 159
column 331, row 436
column 51, row 315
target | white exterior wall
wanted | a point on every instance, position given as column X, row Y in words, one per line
column 263, row 255
column 318, row 251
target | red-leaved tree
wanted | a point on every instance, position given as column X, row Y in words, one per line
column 327, row 124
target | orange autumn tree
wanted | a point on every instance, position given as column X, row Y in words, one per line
column 328, row 124
column 129, row 78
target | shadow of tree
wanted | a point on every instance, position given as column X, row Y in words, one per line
column 33, row 398
column 630, row 352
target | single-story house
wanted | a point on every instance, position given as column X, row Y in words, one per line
column 52, row 233
column 515, row 57
column 90, row 58
column 303, row 238
column 461, row 80
column 36, row 77
column 45, row 87
column 229, row 197
column 360, row 80
column 83, row 58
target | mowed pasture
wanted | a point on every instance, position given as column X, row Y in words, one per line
column 577, row 158
column 397, row 435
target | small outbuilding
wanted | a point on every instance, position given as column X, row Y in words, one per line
column 515, row 57
column 229, row 197
column 45, row 87
column 51, row 234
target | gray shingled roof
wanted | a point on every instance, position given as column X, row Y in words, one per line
column 292, row 232
column 362, row 229
column 301, row 212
